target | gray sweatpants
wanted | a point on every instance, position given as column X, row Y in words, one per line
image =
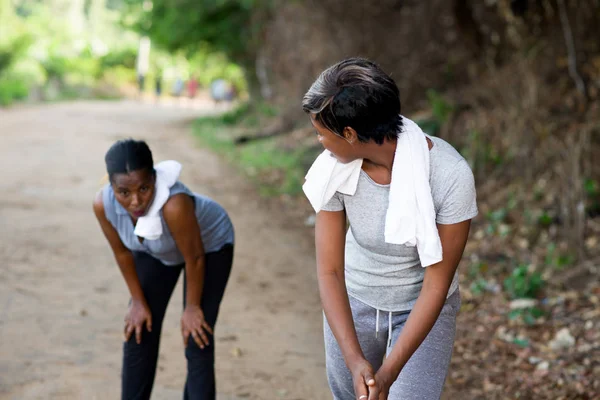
column 423, row 375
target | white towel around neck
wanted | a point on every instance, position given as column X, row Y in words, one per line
column 410, row 217
column 149, row 226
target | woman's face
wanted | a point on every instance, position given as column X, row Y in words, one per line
column 134, row 191
column 343, row 149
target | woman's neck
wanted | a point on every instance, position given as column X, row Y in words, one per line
column 381, row 155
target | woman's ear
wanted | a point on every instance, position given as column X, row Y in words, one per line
column 350, row 135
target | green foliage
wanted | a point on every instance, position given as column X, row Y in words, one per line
column 12, row 50
column 236, row 116
column 592, row 190
column 441, row 110
column 125, row 58
column 67, row 45
column 480, row 153
column 206, row 65
column 55, row 67
column 430, row 126
column 497, row 218
column 276, row 171
column 263, row 159
column 119, row 75
column 440, row 107
column 478, row 286
column 591, row 187
column 210, row 131
column 477, row 268
column 267, row 110
column 545, row 219
column 226, row 25
column 76, row 70
column 229, row 28
column 12, row 88
column 555, row 259
column 522, row 283
column 480, row 283
column 72, row 45
column 528, row 315
column 521, row 342
column 83, row 70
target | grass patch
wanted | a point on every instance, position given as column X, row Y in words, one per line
column 274, row 170
column 69, row 93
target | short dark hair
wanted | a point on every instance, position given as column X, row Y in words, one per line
column 128, row 155
column 356, row 93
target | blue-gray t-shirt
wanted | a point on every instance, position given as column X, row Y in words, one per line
column 216, row 228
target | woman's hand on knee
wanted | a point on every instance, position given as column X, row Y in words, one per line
column 194, row 324
column 137, row 316
column 363, row 378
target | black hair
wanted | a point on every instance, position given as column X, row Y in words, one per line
column 128, row 155
column 356, row 93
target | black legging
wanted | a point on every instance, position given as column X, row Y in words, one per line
column 158, row 281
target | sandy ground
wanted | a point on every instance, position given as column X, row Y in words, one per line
column 62, row 299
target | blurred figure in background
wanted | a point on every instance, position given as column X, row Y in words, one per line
column 221, row 90
column 142, row 64
column 192, row 87
column 158, row 84
column 218, row 90
column 178, row 87
column 141, row 84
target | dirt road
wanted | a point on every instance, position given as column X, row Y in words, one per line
column 62, row 299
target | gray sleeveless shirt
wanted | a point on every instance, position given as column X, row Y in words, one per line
column 215, row 226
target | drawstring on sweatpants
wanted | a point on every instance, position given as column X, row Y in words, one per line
column 389, row 341
column 389, row 344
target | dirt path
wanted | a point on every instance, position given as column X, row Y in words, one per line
column 62, row 299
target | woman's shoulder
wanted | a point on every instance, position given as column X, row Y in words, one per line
column 443, row 154
column 176, row 197
column 178, row 204
column 104, row 196
column 448, row 167
column 104, row 202
column 179, row 187
column 99, row 201
column 202, row 203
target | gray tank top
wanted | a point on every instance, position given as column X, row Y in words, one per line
column 215, row 226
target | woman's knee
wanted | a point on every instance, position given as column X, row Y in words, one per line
column 194, row 353
column 147, row 348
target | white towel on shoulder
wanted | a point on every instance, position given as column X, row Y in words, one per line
column 149, row 226
column 410, row 217
column 327, row 176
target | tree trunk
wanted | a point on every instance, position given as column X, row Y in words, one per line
column 248, row 63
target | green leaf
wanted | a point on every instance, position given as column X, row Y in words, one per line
column 545, row 220
column 537, row 312
column 514, row 314
column 497, row 215
column 591, row 187
column 522, row 342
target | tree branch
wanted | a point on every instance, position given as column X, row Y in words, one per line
column 564, row 20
